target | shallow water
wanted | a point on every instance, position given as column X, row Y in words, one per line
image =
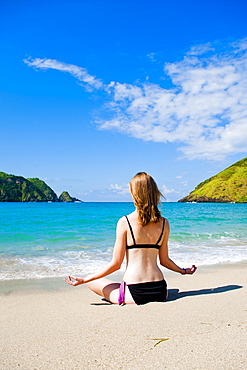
column 54, row 239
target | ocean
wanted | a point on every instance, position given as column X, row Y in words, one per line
column 39, row 240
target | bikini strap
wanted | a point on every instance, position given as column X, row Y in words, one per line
column 132, row 234
column 164, row 220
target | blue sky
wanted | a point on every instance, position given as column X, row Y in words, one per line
column 93, row 92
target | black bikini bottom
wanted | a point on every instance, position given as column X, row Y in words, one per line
column 153, row 291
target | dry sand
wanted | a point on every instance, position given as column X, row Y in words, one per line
column 54, row 326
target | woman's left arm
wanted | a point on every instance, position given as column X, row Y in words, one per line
column 165, row 259
column 116, row 261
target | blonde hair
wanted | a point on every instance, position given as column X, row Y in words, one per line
column 146, row 197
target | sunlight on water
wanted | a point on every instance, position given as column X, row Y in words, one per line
column 48, row 240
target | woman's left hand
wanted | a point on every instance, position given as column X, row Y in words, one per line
column 191, row 270
column 74, row 280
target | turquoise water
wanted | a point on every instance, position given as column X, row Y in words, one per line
column 54, row 239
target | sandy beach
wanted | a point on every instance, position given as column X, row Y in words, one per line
column 48, row 325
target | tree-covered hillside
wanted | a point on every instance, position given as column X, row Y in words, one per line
column 229, row 185
column 18, row 189
column 45, row 189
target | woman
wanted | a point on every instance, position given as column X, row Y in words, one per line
column 142, row 237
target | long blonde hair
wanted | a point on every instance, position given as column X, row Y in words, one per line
column 146, row 197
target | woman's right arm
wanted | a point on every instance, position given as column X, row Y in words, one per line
column 114, row 264
column 165, row 259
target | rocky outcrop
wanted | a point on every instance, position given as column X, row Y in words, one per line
column 65, row 197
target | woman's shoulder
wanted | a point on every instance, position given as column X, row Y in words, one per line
column 164, row 219
column 129, row 217
column 125, row 217
column 122, row 221
column 163, row 222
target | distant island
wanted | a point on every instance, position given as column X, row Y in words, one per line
column 228, row 186
column 18, row 189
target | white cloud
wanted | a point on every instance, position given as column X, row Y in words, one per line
column 205, row 111
column 165, row 190
column 152, row 57
column 200, row 49
column 120, row 189
column 53, row 179
column 80, row 73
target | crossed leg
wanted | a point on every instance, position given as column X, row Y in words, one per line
column 109, row 289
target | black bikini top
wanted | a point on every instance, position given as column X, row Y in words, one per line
column 156, row 246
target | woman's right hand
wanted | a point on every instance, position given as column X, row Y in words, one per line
column 74, row 280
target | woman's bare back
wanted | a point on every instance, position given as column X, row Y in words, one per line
column 142, row 250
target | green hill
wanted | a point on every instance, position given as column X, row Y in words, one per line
column 18, row 189
column 45, row 189
column 227, row 186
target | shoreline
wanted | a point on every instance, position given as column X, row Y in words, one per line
column 203, row 325
column 56, row 284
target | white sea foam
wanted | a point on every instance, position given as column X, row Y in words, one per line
column 82, row 263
